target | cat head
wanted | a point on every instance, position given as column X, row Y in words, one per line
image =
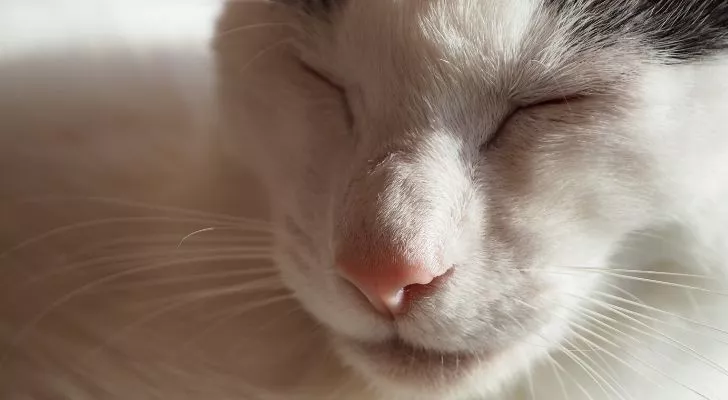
column 445, row 174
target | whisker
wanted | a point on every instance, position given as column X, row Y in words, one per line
column 263, row 52
column 192, row 278
column 650, row 272
column 110, row 221
column 168, row 241
column 297, row 308
column 98, row 282
column 585, row 312
column 611, row 354
column 197, row 232
column 221, row 254
column 590, row 371
column 623, row 291
column 559, row 378
column 653, row 319
column 614, row 332
column 131, row 204
column 529, row 378
column 663, row 312
column 595, row 318
column 639, row 360
column 264, row 282
column 659, row 335
column 605, row 366
column 640, row 279
column 189, row 299
column 245, row 28
column 570, row 376
column 621, row 271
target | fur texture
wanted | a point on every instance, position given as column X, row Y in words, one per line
column 565, row 160
column 517, row 143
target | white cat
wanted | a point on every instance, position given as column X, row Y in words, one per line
column 469, row 200
column 465, row 189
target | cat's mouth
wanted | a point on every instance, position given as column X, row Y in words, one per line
column 409, row 364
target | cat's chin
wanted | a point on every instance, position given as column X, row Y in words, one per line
column 410, row 371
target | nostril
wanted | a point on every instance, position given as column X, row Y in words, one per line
column 393, row 288
column 416, row 292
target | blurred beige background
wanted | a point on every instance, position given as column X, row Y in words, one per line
column 105, row 123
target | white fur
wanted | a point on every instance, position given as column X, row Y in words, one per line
column 651, row 155
column 642, row 188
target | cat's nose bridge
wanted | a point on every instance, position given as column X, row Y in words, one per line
column 393, row 233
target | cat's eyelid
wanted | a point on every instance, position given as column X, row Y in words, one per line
column 325, row 77
column 546, row 101
column 321, row 74
column 565, row 100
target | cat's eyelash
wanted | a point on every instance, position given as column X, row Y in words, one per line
column 321, row 75
column 564, row 100
column 329, row 80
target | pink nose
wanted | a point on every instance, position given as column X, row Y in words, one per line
column 389, row 286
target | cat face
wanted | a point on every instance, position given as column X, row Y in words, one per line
column 443, row 174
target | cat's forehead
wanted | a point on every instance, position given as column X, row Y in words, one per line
column 662, row 30
column 448, row 30
column 415, row 56
column 490, row 36
column 453, row 24
column 518, row 49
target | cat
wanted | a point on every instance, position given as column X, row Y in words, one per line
column 380, row 199
column 464, row 189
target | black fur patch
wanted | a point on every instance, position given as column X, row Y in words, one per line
column 312, row 6
column 681, row 30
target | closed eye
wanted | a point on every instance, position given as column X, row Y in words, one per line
column 321, row 75
column 565, row 101
column 331, row 81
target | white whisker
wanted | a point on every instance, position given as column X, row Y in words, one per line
column 529, row 378
column 210, row 229
column 657, row 310
column 659, row 335
column 590, row 371
column 593, row 374
column 605, row 366
column 559, row 378
column 168, row 242
column 639, row 360
column 619, row 271
column 188, row 299
column 263, row 52
column 117, row 261
column 570, row 376
column 190, row 278
column 246, row 28
column 637, row 279
column 109, row 221
column 98, row 282
column 130, row 204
